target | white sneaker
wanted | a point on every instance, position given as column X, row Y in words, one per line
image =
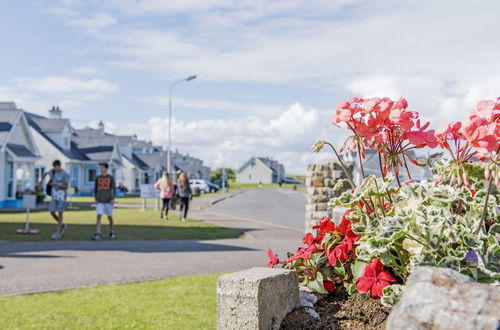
column 55, row 235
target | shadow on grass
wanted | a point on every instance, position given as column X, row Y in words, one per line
column 83, row 232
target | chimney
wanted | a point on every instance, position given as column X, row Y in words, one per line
column 100, row 128
column 55, row 113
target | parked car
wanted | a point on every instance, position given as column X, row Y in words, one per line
column 214, row 187
column 290, row 180
column 200, row 185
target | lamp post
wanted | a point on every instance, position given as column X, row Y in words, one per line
column 170, row 119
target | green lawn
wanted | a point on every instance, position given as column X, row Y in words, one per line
column 187, row 302
column 124, row 200
column 131, row 224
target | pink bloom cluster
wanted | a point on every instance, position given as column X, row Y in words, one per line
column 385, row 125
column 478, row 135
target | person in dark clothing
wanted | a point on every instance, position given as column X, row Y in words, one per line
column 185, row 194
column 104, row 192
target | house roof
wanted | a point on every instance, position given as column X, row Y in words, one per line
column 137, row 162
column 273, row 165
column 152, row 160
column 51, row 125
column 20, row 151
column 72, row 153
column 8, row 117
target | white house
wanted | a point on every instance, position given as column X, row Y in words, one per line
column 18, row 153
column 260, row 170
column 79, row 151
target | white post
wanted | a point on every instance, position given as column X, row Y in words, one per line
column 27, row 224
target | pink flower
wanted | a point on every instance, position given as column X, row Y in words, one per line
column 375, row 279
column 272, row 259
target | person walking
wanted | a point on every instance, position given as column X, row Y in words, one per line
column 57, row 189
column 166, row 188
column 104, row 192
column 185, row 194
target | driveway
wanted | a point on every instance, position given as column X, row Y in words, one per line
column 269, row 217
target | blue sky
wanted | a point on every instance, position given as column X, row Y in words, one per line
column 269, row 73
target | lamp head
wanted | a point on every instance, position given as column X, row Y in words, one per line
column 190, row 78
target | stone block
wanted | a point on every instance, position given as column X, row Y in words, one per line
column 441, row 298
column 318, row 182
column 321, row 207
column 258, row 298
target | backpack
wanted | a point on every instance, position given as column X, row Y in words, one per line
column 48, row 187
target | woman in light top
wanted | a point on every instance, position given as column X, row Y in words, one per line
column 166, row 188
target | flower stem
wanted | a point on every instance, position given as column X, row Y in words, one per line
column 346, row 172
column 380, row 164
column 485, row 208
column 361, row 161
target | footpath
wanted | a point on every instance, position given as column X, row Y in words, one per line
column 52, row 266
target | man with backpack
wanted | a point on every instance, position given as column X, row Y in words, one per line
column 57, row 189
column 104, row 192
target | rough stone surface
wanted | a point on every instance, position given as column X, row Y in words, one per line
column 441, row 298
column 258, row 298
column 320, row 179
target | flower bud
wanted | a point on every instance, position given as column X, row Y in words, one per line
column 318, row 145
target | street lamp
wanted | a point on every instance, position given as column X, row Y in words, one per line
column 170, row 118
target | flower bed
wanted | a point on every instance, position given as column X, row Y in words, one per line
column 391, row 227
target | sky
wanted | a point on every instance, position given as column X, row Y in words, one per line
column 269, row 73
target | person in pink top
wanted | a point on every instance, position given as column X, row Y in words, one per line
column 166, row 188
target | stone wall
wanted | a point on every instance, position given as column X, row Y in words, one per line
column 320, row 180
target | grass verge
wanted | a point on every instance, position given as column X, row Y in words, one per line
column 131, row 224
column 187, row 302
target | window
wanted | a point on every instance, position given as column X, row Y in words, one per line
column 146, row 178
column 253, row 163
column 91, row 174
column 39, row 172
column 249, row 176
column 66, row 142
column 23, row 178
column 10, row 179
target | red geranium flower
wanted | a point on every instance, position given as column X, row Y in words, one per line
column 302, row 253
column 325, row 226
column 273, row 259
column 375, row 279
column 308, row 239
column 329, row 285
column 339, row 252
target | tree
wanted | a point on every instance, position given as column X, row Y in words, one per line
column 216, row 175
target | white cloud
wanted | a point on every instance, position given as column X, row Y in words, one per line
column 61, row 84
column 86, row 70
column 288, row 137
column 206, row 104
column 39, row 94
column 93, row 24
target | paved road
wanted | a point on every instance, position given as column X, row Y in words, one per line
column 269, row 217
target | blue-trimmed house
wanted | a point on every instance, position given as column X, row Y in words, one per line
column 79, row 151
column 18, row 153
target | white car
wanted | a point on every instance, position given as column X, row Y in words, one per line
column 202, row 185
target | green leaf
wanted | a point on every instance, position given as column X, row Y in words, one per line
column 351, row 288
column 326, row 274
column 358, row 269
column 317, row 284
column 316, row 257
column 339, row 269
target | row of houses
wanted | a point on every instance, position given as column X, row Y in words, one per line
column 29, row 143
